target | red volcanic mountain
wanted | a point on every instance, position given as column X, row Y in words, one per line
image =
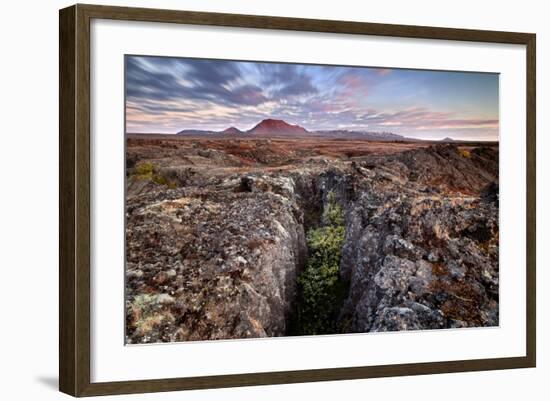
column 271, row 127
column 231, row 131
column 276, row 127
column 267, row 127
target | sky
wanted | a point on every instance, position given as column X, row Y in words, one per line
column 168, row 94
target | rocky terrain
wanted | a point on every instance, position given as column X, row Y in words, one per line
column 227, row 238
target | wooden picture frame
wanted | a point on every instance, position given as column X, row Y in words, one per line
column 74, row 203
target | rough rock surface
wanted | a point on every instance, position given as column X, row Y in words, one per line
column 422, row 242
column 214, row 251
column 223, row 261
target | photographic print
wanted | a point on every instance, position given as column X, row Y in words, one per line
column 268, row 199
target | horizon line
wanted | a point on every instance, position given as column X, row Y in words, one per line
column 251, row 136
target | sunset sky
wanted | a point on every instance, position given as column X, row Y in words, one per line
column 167, row 95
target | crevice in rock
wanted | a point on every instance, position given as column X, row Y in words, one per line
column 321, row 289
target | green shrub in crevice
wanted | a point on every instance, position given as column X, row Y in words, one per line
column 321, row 292
column 333, row 214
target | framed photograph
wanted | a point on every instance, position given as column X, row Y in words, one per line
column 250, row 200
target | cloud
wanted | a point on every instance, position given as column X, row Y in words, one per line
column 417, row 119
column 169, row 79
column 169, row 94
column 285, row 81
column 383, row 71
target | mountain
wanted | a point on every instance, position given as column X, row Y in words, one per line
column 368, row 135
column 231, row 131
column 273, row 127
column 447, row 139
column 195, row 132
column 277, row 127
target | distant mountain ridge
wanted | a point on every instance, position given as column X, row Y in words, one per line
column 370, row 135
column 194, row 132
column 273, row 127
column 232, row 131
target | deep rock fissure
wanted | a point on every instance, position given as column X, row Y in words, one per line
column 321, row 289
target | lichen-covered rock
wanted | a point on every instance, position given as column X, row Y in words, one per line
column 220, row 264
column 215, row 240
column 424, row 260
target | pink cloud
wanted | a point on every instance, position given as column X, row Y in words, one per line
column 424, row 119
column 383, row 71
